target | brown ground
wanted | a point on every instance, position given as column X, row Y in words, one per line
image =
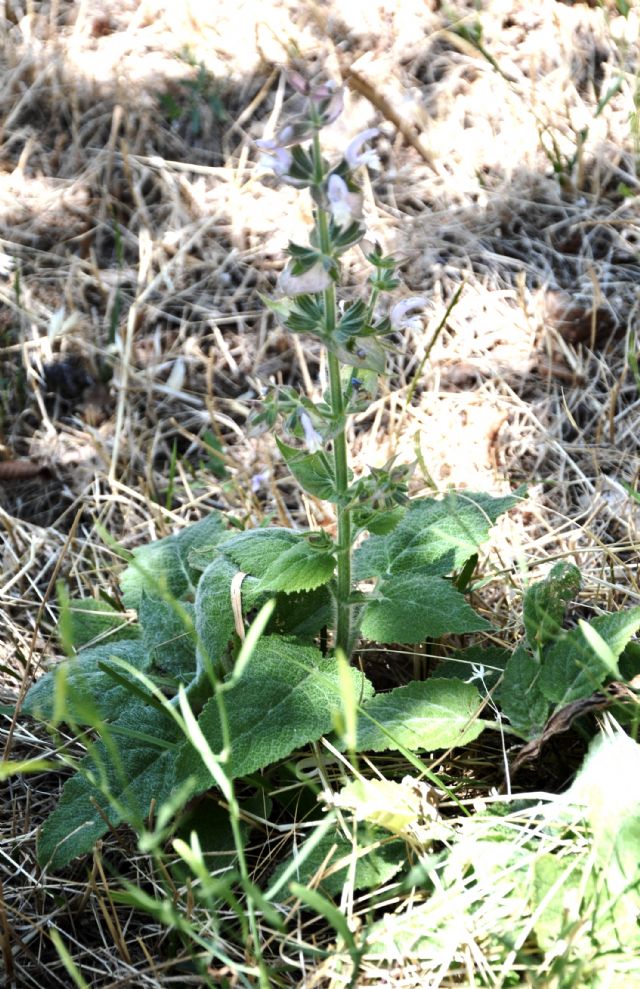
column 136, row 234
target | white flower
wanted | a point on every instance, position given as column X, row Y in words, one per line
column 400, row 318
column 344, row 205
column 355, row 157
column 316, row 279
column 312, row 438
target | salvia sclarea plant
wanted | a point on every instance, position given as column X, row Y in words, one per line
column 240, row 653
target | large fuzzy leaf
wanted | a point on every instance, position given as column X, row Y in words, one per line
column 255, row 550
column 429, row 714
column 90, row 694
column 165, row 564
column 169, row 636
column 520, row 697
column 285, row 698
column 301, row 568
column 214, row 617
column 117, row 782
column 94, row 619
column 378, row 859
column 411, row 607
column 545, row 604
column 572, row 668
column 283, row 560
column 433, row 538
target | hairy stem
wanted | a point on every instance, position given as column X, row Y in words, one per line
column 342, row 638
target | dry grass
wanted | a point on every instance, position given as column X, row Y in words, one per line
column 135, row 236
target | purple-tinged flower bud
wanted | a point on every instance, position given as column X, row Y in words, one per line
column 330, row 100
column 313, row 439
column 400, row 314
column 354, row 157
column 298, row 82
column 344, row 205
column 316, row 279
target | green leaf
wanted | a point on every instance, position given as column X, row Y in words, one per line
column 93, row 618
column 571, row 667
column 256, row 550
column 303, row 614
column 312, row 471
column 284, row 699
column 428, row 714
column 300, row 568
column 412, row 607
column 165, row 563
column 360, row 353
column 434, row 537
column 169, row 636
column 117, row 782
column 557, row 882
column 545, row 604
column 215, row 623
column 520, row 696
column 90, row 694
column 374, row 866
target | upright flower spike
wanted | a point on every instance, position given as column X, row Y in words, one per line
column 354, row 156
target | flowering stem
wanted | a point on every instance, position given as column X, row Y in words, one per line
column 337, row 400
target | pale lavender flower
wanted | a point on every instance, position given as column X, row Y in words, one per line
column 312, row 438
column 258, row 480
column 401, row 318
column 344, row 205
column 354, row 156
column 316, row 279
column 274, row 151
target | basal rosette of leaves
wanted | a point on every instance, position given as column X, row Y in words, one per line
column 288, row 694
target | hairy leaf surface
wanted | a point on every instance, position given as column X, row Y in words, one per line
column 572, row 669
column 214, row 612
column 433, row 537
column 428, row 714
column 313, row 471
column 165, row 563
column 545, row 604
column 412, row 607
column 93, row 618
column 284, row 699
column 520, row 696
column 256, row 550
column 135, row 766
column 300, row 568
column 89, row 692
column 169, row 636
